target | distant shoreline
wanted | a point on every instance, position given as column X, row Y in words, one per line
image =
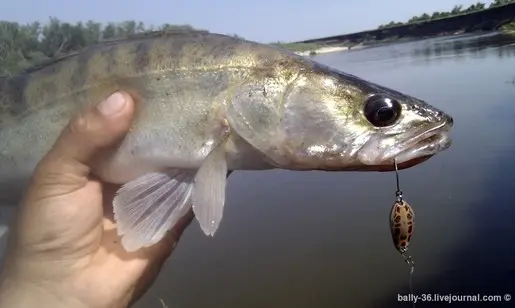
column 317, row 50
column 500, row 15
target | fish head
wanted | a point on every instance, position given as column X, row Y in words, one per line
column 336, row 121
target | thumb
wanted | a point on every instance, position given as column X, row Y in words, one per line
column 84, row 136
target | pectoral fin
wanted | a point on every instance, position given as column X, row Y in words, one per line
column 146, row 208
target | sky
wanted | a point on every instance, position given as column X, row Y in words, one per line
column 260, row 20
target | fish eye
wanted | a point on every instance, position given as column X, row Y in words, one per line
column 382, row 111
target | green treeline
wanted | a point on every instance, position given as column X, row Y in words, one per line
column 457, row 10
column 21, row 46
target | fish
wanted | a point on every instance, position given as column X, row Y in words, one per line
column 208, row 104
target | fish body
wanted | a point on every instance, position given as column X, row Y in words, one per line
column 205, row 104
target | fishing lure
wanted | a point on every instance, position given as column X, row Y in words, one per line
column 402, row 223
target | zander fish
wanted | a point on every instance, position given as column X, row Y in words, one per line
column 208, row 103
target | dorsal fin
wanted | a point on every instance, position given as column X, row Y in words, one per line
column 48, row 62
column 154, row 34
column 144, row 35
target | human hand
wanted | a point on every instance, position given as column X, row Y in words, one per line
column 64, row 250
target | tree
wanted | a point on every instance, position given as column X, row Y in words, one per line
column 456, row 9
column 500, row 2
column 23, row 45
column 109, row 31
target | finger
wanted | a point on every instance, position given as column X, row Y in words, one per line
column 86, row 134
column 162, row 250
column 158, row 254
column 180, row 226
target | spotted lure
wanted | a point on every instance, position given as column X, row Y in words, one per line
column 402, row 224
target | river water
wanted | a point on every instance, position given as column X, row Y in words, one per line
column 315, row 239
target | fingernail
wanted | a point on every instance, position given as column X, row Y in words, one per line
column 112, row 105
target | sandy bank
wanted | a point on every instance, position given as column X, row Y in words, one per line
column 322, row 50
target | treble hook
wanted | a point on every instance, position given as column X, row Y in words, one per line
column 402, row 223
column 408, row 259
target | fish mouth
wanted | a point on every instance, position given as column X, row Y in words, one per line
column 420, row 152
column 414, row 148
